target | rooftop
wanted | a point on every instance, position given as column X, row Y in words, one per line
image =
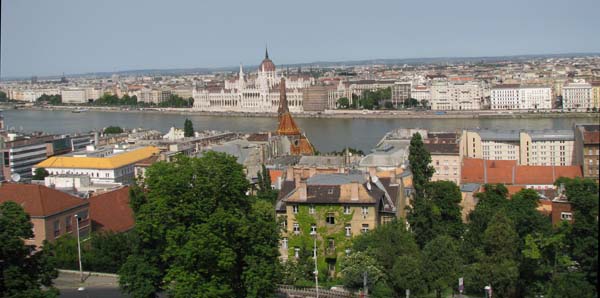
column 109, row 162
column 39, row 200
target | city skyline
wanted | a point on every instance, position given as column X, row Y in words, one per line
column 94, row 37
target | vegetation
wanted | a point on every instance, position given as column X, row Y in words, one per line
column 343, row 103
column 371, row 100
column 200, row 234
column 23, row 271
column 176, row 101
column 188, row 128
column 264, row 189
column 113, row 100
column 352, row 151
column 55, row 99
column 113, row 130
column 3, row 96
column 40, row 174
column 420, row 164
column 103, row 252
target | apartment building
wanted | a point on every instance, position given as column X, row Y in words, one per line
column 520, row 97
column 400, row 92
column 445, row 158
column 577, row 96
column 527, row 147
column 52, row 212
column 587, row 149
column 74, row 95
column 21, row 154
column 328, row 205
column 446, row 96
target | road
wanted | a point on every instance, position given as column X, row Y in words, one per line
column 95, row 286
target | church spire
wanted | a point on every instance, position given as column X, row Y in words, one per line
column 266, row 52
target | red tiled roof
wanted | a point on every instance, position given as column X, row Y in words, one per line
column 508, row 172
column 275, row 174
column 110, row 211
column 39, row 200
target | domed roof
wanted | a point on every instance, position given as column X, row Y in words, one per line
column 266, row 64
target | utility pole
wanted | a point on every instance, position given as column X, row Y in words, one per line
column 79, row 249
column 314, row 234
column 365, row 284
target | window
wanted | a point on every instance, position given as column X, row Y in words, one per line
column 365, row 210
column 331, row 244
column 348, row 229
column 295, row 209
column 566, row 215
column 347, row 209
column 330, row 219
column 313, row 228
column 69, row 223
column 284, row 243
column 311, row 209
column 296, row 252
column 296, row 228
column 365, row 228
column 56, row 228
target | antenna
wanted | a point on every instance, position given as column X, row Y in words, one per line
column 15, row 177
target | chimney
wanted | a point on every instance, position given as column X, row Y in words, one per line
column 297, row 179
column 289, row 175
column 354, row 191
column 312, row 171
column 302, row 190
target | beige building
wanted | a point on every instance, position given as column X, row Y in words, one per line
column 445, row 158
column 577, row 96
column 73, row 95
column 587, row 149
column 535, row 147
column 52, row 212
column 333, row 208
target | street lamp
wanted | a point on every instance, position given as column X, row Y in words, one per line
column 79, row 248
column 314, row 234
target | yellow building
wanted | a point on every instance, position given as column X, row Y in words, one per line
column 333, row 208
column 107, row 165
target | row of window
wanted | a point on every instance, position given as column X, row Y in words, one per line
column 347, row 210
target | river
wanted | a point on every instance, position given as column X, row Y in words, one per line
column 326, row 134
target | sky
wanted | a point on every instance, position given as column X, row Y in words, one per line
column 51, row 37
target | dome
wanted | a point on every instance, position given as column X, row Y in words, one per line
column 266, row 64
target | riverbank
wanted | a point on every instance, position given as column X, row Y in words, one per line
column 340, row 114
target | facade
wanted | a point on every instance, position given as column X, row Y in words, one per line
column 314, row 98
column 400, row 93
column 74, row 96
column 445, row 158
column 596, row 95
column 19, row 156
column 521, row 97
column 587, row 149
column 527, row 147
column 577, row 96
column 103, row 166
column 52, row 212
column 333, row 208
column 257, row 94
column 446, row 96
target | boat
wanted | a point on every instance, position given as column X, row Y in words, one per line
column 79, row 110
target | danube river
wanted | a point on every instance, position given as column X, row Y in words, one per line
column 326, row 134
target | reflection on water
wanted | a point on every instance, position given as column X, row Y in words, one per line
column 325, row 134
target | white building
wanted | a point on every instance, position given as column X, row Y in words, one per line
column 259, row 94
column 447, row 96
column 73, row 95
column 518, row 97
column 103, row 166
column 577, row 96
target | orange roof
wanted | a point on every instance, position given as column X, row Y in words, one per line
column 275, row 174
column 303, row 148
column 110, row 211
column 508, row 172
column 287, row 125
column 110, row 162
column 39, row 200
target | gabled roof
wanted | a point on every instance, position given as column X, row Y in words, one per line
column 111, row 162
column 110, row 211
column 39, row 200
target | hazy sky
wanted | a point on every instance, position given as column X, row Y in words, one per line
column 49, row 37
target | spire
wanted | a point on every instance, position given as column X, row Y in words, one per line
column 266, row 52
column 283, row 104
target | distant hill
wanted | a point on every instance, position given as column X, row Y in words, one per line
column 408, row 61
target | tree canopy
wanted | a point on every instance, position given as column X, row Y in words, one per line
column 23, row 270
column 200, row 234
column 40, row 174
column 188, row 128
column 113, row 130
column 54, row 99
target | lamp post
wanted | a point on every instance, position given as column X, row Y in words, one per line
column 314, row 234
column 79, row 249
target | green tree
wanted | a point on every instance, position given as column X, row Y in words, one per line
column 438, row 212
column 343, row 103
column 113, row 130
column 389, row 105
column 40, row 174
column 571, row 285
column 410, row 103
column 355, row 266
column 24, row 272
column 264, row 189
column 420, row 163
column 54, row 99
column 3, row 96
column 200, row 234
column 441, row 262
column 188, row 128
